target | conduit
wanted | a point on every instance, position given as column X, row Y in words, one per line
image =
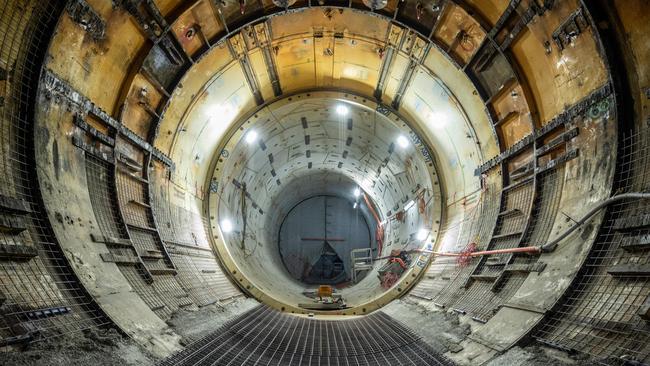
column 379, row 232
column 621, row 197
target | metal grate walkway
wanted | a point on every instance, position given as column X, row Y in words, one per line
column 264, row 336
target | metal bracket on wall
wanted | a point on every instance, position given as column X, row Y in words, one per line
column 560, row 120
column 92, row 150
column 84, row 15
column 55, row 88
column 147, row 15
column 570, row 29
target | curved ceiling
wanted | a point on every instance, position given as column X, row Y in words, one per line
column 347, row 51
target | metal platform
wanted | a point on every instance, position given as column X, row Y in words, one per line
column 264, row 336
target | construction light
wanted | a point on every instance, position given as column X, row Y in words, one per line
column 342, row 110
column 357, row 192
column 410, row 204
column 251, row 137
column 403, row 142
column 226, row 226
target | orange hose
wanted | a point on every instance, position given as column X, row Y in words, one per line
column 379, row 232
column 372, row 209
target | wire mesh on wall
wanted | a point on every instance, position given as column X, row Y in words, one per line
column 40, row 296
column 606, row 310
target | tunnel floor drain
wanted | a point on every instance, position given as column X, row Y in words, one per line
column 264, row 336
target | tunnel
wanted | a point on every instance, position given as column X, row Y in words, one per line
column 302, row 182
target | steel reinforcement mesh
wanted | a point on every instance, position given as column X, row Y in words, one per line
column 606, row 311
column 264, row 336
column 443, row 277
column 40, row 296
column 522, row 216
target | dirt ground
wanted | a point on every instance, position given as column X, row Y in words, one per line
column 440, row 330
column 193, row 325
column 445, row 331
column 93, row 347
column 107, row 347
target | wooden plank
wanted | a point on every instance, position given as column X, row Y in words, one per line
column 162, row 272
column 111, row 240
column 13, row 225
column 506, row 235
column 15, row 205
column 139, row 203
column 487, row 278
column 644, row 310
column 511, row 212
column 119, row 259
column 17, row 252
column 636, row 242
column 142, row 228
column 630, row 270
column 632, row 222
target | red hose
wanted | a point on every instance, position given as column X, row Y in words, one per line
column 489, row 252
column 398, row 260
column 476, row 254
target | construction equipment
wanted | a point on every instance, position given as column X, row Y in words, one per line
column 325, row 298
column 397, row 263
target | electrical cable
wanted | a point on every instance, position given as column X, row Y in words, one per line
column 621, row 197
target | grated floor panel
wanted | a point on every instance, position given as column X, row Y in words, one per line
column 264, row 336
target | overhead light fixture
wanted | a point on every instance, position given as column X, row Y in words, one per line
column 422, row 234
column 409, row 204
column 342, row 110
column 354, row 206
column 226, row 226
column 402, row 141
column 357, row 192
column 251, row 137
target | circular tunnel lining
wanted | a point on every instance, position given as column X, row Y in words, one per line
column 326, row 144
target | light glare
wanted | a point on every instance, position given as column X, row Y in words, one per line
column 437, row 120
column 342, row 110
column 422, row 234
column 403, row 142
column 226, row 226
column 357, row 192
column 410, row 204
column 251, row 137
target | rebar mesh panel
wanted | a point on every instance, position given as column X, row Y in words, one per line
column 40, row 296
column 264, row 336
column 605, row 311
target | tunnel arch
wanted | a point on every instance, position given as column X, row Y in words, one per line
column 115, row 143
column 304, row 132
